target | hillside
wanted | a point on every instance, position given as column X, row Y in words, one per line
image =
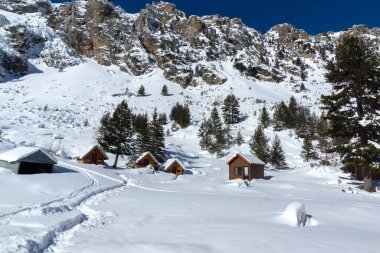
column 63, row 65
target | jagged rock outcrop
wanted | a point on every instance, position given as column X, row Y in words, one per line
column 189, row 49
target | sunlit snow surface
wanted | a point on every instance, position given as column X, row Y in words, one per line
column 87, row 208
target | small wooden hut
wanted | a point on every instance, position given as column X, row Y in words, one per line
column 28, row 160
column 245, row 167
column 94, row 155
column 144, row 160
column 174, row 166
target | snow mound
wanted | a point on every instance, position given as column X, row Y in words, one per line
column 239, row 183
column 295, row 215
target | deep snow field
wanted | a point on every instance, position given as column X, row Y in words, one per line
column 88, row 208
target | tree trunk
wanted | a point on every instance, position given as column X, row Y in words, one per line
column 115, row 163
column 367, row 178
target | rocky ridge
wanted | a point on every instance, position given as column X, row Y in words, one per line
column 189, row 50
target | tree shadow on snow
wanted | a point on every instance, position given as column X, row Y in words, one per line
column 268, row 177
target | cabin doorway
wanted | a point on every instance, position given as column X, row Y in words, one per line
column 94, row 158
column 246, row 173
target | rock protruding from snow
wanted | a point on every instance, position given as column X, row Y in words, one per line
column 294, row 214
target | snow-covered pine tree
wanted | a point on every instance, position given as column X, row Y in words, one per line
column 231, row 112
column 277, row 154
column 157, row 140
column 293, row 110
column 353, row 108
column 116, row 131
column 164, row 90
column 264, row 117
column 308, row 152
column 141, row 91
column 239, row 138
column 143, row 133
column 217, row 131
column 259, row 144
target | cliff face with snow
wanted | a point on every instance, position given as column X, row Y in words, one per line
column 189, row 49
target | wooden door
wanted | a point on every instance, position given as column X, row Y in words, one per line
column 94, row 158
column 246, row 173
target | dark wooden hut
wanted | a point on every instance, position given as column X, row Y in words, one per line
column 28, row 160
column 245, row 167
column 174, row 166
column 95, row 155
column 144, row 160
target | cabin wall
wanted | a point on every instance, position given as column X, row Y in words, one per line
column 238, row 162
column 88, row 159
column 257, row 171
column 173, row 168
column 148, row 160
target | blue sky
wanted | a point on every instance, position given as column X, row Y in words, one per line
column 314, row 16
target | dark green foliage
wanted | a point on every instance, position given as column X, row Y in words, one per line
column 292, row 112
column 259, row 144
column 157, row 138
column 141, row 91
column 323, row 140
column 239, row 138
column 211, row 133
column 277, row 155
column 264, row 117
column 303, row 75
column 353, row 107
column 231, row 113
column 116, row 131
column 162, row 118
column 165, row 90
column 180, row 114
column 281, row 117
column 308, row 151
column 143, row 133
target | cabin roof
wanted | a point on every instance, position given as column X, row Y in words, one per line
column 90, row 149
column 169, row 162
column 142, row 156
column 28, row 154
column 250, row 158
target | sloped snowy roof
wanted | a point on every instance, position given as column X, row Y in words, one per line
column 248, row 157
column 145, row 154
column 89, row 149
column 20, row 153
column 170, row 162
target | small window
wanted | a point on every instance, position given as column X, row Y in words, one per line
column 238, row 171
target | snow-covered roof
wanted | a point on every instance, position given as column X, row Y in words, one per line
column 17, row 154
column 145, row 154
column 89, row 149
column 170, row 162
column 248, row 157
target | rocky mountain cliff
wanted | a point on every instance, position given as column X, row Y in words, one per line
column 189, row 49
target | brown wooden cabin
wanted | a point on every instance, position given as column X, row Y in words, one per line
column 144, row 160
column 245, row 167
column 94, row 156
column 358, row 173
column 174, row 166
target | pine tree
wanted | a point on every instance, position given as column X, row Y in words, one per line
column 115, row 132
column 264, row 117
column 308, row 151
column 353, row 107
column 231, row 113
column 143, row 134
column 217, row 131
column 277, row 155
column 164, row 91
column 141, row 91
column 293, row 110
column 323, row 139
column 259, row 144
column 181, row 115
column 157, row 140
column 211, row 133
column 239, row 138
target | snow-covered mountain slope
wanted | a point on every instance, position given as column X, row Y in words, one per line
column 81, row 59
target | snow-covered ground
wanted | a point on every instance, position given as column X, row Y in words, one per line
column 88, row 208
